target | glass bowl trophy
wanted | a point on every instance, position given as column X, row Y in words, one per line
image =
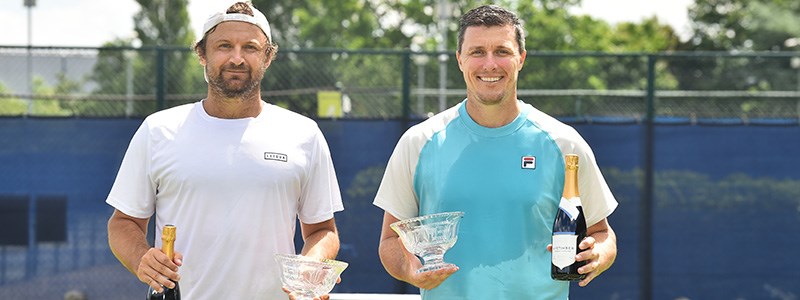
column 429, row 237
column 308, row 277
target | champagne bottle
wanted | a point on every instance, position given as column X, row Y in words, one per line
column 168, row 247
column 569, row 227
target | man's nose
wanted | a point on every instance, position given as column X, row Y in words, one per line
column 491, row 62
column 236, row 56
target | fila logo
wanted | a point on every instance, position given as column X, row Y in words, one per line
column 529, row 162
column 275, row 156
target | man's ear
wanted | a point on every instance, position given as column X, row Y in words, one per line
column 270, row 57
column 458, row 59
column 522, row 59
column 201, row 54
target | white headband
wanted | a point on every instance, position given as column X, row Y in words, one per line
column 259, row 20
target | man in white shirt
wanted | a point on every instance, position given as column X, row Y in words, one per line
column 231, row 172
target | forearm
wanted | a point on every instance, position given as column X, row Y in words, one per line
column 403, row 265
column 605, row 244
column 320, row 240
column 127, row 241
column 602, row 251
column 395, row 259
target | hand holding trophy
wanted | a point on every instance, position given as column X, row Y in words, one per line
column 429, row 237
column 309, row 277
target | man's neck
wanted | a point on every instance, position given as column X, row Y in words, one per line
column 232, row 108
column 493, row 116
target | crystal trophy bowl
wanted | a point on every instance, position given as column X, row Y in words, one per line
column 308, row 277
column 429, row 237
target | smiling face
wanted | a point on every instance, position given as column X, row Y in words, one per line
column 490, row 61
column 235, row 59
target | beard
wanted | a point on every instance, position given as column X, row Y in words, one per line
column 231, row 89
column 488, row 98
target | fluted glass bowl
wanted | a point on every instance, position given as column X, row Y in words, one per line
column 309, row 277
column 429, row 237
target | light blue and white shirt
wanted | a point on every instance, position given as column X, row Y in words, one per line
column 508, row 182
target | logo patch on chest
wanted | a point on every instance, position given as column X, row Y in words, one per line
column 529, row 162
column 276, row 156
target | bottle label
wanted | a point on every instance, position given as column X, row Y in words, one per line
column 564, row 249
column 570, row 206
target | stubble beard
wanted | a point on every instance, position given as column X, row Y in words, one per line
column 489, row 99
column 228, row 90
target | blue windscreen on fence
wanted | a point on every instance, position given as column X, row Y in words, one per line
column 726, row 205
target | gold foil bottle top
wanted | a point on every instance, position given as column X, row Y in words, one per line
column 571, row 177
column 572, row 161
column 168, row 238
column 168, row 233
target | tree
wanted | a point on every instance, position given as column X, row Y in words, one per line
column 413, row 24
column 741, row 26
column 162, row 28
column 166, row 23
column 10, row 106
column 383, row 24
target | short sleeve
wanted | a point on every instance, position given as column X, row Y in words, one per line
column 596, row 198
column 321, row 196
column 133, row 192
column 396, row 193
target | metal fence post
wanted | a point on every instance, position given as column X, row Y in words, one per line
column 646, row 206
column 161, row 77
column 406, row 89
column 32, row 255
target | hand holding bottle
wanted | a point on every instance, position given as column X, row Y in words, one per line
column 585, row 256
column 157, row 270
column 569, row 228
column 597, row 251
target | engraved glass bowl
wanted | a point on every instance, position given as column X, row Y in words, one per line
column 429, row 237
column 309, row 277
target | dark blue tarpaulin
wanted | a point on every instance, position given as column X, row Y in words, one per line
column 725, row 212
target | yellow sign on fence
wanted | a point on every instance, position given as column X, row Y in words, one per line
column 329, row 104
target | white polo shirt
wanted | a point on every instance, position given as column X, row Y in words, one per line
column 233, row 188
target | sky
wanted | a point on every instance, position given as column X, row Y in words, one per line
column 90, row 23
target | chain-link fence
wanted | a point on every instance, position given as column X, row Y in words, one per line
column 684, row 87
column 678, row 186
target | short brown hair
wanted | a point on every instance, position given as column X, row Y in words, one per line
column 491, row 15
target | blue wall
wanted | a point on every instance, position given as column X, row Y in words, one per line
column 726, row 211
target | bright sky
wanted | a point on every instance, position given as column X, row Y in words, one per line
column 90, row 23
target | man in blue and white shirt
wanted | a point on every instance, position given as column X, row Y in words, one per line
column 501, row 162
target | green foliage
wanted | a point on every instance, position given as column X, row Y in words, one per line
column 131, row 74
column 740, row 26
column 10, row 106
column 687, row 190
column 45, row 102
column 743, row 25
column 413, row 24
column 163, row 22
